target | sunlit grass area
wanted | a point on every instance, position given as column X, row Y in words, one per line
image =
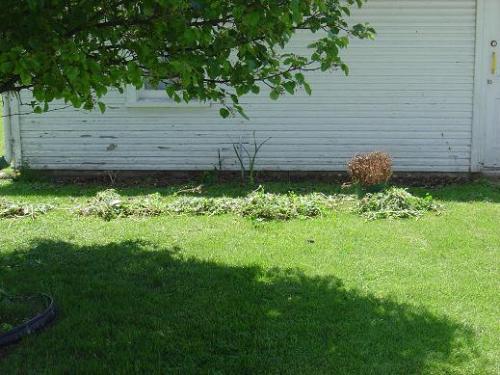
column 225, row 294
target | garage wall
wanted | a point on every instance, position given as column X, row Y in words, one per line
column 409, row 93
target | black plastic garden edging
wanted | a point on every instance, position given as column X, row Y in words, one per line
column 40, row 321
column 3, row 163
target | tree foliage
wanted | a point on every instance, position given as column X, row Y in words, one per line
column 207, row 50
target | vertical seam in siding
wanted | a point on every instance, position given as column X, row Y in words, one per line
column 479, row 108
column 15, row 130
column 7, row 128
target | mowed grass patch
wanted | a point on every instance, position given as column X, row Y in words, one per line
column 225, row 294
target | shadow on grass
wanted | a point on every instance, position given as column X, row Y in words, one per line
column 132, row 308
column 22, row 188
column 477, row 191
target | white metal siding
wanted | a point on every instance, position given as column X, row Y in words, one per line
column 409, row 93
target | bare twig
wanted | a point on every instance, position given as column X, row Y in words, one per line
column 252, row 158
column 30, row 113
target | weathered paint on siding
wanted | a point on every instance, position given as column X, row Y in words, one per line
column 409, row 93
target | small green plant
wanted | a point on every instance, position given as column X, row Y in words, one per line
column 17, row 310
column 210, row 177
column 5, row 327
column 395, row 203
column 13, row 210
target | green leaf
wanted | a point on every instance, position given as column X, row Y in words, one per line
column 307, row 87
column 299, row 77
column 241, row 111
column 290, row 87
column 102, row 107
column 224, row 112
column 275, row 94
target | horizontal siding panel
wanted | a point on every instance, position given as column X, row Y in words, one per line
column 270, row 114
column 188, row 143
column 124, row 153
column 409, row 93
column 203, row 167
column 410, row 108
column 264, row 133
column 202, row 160
column 277, row 146
column 325, row 125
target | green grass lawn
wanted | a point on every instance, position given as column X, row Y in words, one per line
column 226, row 295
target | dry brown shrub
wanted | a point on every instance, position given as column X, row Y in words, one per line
column 370, row 169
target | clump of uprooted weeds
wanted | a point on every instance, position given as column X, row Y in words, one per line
column 12, row 210
column 186, row 205
column 266, row 206
column 108, row 204
column 257, row 205
column 395, row 203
